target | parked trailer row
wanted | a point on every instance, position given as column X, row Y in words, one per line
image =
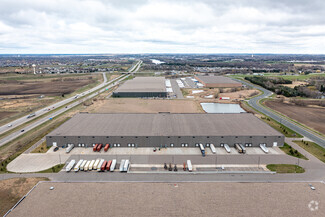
column 99, row 165
column 70, row 165
column 69, row 148
column 263, row 147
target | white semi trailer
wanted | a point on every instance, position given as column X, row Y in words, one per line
column 70, row 165
column 113, row 165
column 86, row 168
column 213, row 149
column 82, row 166
column 264, row 148
column 189, row 165
column 69, row 148
column 122, row 165
column 126, row 166
column 77, row 167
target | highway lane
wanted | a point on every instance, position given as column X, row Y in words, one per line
column 42, row 120
column 254, row 102
column 45, row 110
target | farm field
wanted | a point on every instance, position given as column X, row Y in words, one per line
column 313, row 117
column 134, row 105
column 24, row 94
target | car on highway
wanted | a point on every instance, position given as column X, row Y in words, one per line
column 22, row 130
column 31, row 115
column 9, row 125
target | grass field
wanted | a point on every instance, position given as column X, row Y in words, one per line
column 292, row 152
column 12, row 190
column 54, row 169
column 281, row 128
column 312, row 148
column 42, row 148
column 285, row 168
column 289, row 77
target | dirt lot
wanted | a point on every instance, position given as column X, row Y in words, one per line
column 216, row 94
column 133, row 105
column 11, row 190
column 6, row 114
column 174, row 199
column 309, row 116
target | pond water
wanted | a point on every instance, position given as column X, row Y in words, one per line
column 156, row 61
column 221, row 108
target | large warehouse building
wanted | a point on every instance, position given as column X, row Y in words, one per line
column 164, row 130
column 142, row 87
column 217, row 81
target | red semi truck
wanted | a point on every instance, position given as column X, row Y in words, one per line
column 106, row 147
column 95, row 147
column 108, row 165
column 103, row 167
column 99, row 147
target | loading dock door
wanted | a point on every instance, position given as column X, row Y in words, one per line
column 275, row 144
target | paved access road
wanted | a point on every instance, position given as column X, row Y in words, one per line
column 42, row 120
column 254, row 102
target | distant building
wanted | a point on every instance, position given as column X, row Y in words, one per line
column 217, row 81
column 142, row 87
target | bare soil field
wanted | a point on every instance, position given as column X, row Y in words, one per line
column 12, row 190
column 23, row 94
column 4, row 114
column 174, row 199
column 215, row 93
column 52, row 87
column 309, row 116
column 133, row 105
column 295, row 83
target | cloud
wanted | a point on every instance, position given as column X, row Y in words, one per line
column 183, row 26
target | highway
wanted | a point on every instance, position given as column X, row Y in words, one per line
column 135, row 67
column 254, row 102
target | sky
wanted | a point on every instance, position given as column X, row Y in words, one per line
column 165, row 26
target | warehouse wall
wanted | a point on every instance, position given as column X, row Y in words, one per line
column 158, row 141
column 139, row 94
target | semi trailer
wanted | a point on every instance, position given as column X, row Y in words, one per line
column 113, row 165
column 213, row 149
column 69, row 148
column 189, row 165
column 70, row 165
column 77, row 167
column 202, row 150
